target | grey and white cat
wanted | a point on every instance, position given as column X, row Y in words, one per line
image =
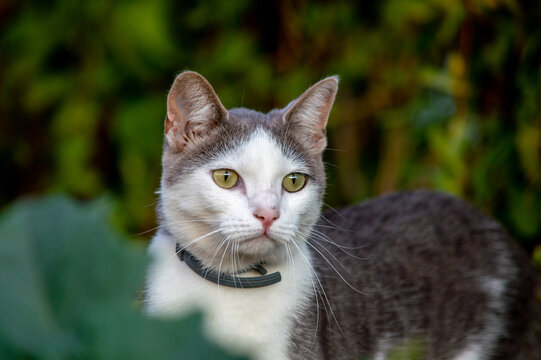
column 242, row 190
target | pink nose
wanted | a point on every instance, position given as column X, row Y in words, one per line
column 267, row 216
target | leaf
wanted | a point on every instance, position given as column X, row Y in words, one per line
column 67, row 290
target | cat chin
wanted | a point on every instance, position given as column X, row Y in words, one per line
column 260, row 245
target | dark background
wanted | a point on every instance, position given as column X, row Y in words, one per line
column 434, row 94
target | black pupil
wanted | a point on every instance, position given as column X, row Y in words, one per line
column 293, row 178
column 226, row 175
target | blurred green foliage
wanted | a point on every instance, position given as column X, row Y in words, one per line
column 67, row 290
column 411, row 349
column 434, row 93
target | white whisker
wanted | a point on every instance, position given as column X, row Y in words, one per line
column 221, row 261
column 169, row 224
column 196, row 240
column 332, row 255
column 337, row 272
column 325, row 298
column 329, row 240
column 335, row 211
column 335, row 227
column 224, row 240
column 292, row 265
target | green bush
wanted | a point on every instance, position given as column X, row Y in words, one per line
column 435, row 94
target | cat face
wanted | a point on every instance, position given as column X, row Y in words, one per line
column 240, row 187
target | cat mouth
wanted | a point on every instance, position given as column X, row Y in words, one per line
column 263, row 238
column 259, row 244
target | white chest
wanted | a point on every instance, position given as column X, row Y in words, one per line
column 254, row 321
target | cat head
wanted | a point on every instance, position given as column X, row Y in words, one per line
column 241, row 187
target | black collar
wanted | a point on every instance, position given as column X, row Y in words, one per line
column 227, row 280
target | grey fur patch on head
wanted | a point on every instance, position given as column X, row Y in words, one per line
column 206, row 130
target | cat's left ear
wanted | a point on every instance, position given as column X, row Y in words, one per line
column 307, row 116
column 193, row 110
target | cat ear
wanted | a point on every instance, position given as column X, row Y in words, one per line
column 307, row 116
column 193, row 109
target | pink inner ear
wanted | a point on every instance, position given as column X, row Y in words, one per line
column 193, row 108
column 174, row 133
column 324, row 111
column 168, row 124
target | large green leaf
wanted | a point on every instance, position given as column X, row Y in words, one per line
column 68, row 289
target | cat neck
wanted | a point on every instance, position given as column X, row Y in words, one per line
column 233, row 281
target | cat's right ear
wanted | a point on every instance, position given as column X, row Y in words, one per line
column 193, row 109
column 307, row 116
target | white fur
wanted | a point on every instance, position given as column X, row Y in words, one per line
column 481, row 345
column 253, row 321
column 256, row 321
column 472, row 352
column 383, row 347
column 311, row 108
column 201, row 112
column 201, row 107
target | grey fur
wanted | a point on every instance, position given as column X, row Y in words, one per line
column 420, row 260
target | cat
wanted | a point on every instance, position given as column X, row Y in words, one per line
column 242, row 238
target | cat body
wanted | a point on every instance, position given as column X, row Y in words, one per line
column 436, row 274
column 419, row 270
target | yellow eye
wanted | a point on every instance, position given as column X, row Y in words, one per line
column 294, row 182
column 225, row 178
